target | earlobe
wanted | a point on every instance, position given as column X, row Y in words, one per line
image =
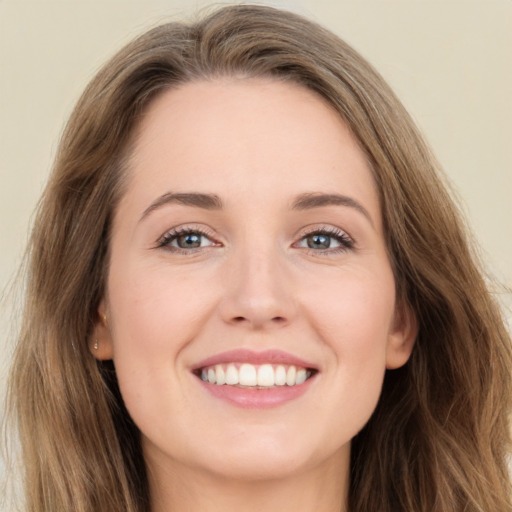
column 100, row 344
column 401, row 338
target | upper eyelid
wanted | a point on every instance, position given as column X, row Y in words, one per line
column 323, row 228
column 316, row 228
column 188, row 228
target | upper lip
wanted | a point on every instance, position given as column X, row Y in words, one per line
column 253, row 357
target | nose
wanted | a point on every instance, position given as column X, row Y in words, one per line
column 258, row 292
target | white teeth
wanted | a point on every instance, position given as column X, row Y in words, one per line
column 261, row 376
column 301, row 376
column 290, row 375
column 247, row 375
column 266, row 375
column 220, row 376
column 280, row 376
column 231, row 375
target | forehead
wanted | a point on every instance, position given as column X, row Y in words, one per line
column 247, row 137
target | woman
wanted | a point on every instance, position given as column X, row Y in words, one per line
column 250, row 289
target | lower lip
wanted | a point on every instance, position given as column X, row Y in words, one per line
column 257, row 398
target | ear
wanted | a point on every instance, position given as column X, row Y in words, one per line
column 401, row 337
column 100, row 343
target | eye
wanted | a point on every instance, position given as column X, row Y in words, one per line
column 184, row 239
column 327, row 240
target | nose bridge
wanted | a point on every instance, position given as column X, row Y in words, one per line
column 258, row 287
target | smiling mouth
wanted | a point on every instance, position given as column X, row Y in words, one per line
column 263, row 376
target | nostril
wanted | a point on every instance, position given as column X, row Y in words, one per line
column 275, row 319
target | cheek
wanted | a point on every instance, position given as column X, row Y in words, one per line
column 157, row 314
column 353, row 320
column 154, row 318
column 354, row 311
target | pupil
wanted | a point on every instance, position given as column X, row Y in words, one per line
column 190, row 240
column 319, row 242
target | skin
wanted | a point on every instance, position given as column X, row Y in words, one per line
column 253, row 283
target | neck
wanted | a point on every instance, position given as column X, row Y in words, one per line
column 189, row 490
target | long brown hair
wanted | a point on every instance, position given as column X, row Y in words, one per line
column 439, row 438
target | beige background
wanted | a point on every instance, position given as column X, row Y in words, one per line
column 449, row 61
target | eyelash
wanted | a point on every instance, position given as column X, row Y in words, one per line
column 174, row 234
column 345, row 241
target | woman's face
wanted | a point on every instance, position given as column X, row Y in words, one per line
column 249, row 247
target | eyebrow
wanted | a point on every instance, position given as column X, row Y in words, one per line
column 306, row 201
column 205, row 201
column 318, row 200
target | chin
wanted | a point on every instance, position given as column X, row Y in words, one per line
column 270, row 458
column 260, row 467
